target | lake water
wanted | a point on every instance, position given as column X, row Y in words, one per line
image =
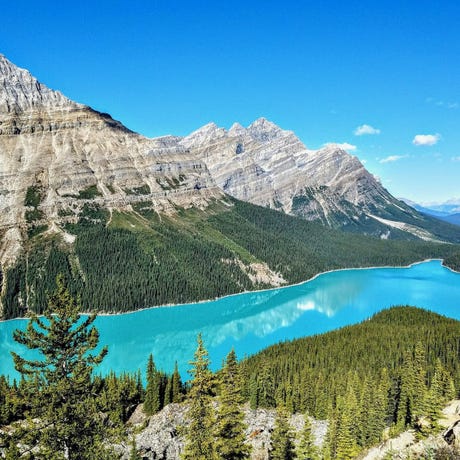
column 252, row 321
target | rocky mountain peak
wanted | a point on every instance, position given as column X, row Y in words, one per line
column 204, row 135
column 264, row 130
column 236, row 130
column 20, row 91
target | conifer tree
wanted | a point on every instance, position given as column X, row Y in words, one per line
column 307, row 450
column 176, row 385
column 419, row 381
column 199, row 442
column 230, row 418
column 282, row 439
column 152, row 402
column 436, row 396
column 405, row 401
column 168, row 392
column 64, row 419
column 346, row 447
column 253, row 392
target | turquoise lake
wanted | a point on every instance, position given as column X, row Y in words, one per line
column 252, row 321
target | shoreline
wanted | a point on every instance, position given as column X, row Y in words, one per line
column 252, row 292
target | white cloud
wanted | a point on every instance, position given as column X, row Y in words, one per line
column 455, row 159
column 426, row 139
column 347, row 146
column 392, row 158
column 365, row 129
column 343, row 146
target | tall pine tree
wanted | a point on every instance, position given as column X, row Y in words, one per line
column 200, row 442
column 282, row 439
column 152, row 402
column 230, row 418
column 64, row 420
column 307, row 450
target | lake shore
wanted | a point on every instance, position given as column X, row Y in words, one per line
column 199, row 302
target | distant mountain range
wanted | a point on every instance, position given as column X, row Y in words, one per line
column 448, row 211
column 82, row 194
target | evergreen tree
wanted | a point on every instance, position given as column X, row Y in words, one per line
column 419, row 381
column 152, row 402
column 168, row 392
column 176, row 385
column 199, row 442
column 230, row 418
column 346, row 447
column 306, row 450
column 253, row 392
column 440, row 392
column 282, row 439
column 406, row 393
column 64, row 420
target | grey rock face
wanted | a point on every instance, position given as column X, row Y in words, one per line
column 268, row 166
column 162, row 439
column 63, row 148
column 20, row 91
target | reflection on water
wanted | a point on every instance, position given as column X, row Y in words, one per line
column 252, row 321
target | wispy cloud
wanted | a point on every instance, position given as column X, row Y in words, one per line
column 456, row 159
column 365, row 129
column 426, row 139
column 452, row 105
column 343, row 146
column 392, row 158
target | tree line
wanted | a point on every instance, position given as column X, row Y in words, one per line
column 137, row 260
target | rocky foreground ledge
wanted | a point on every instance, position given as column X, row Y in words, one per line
column 159, row 436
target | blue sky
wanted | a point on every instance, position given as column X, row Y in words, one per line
column 319, row 68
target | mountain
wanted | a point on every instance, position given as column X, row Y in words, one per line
column 423, row 209
column 271, row 167
column 58, row 156
column 452, row 218
column 449, row 206
column 447, row 212
column 133, row 222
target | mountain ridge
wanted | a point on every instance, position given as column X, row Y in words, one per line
column 269, row 166
column 134, row 222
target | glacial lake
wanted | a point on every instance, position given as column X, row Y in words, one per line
column 252, row 321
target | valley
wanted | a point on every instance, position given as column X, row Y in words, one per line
column 245, row 238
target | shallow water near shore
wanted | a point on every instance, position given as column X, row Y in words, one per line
column 252, row 321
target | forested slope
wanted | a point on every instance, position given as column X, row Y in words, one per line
column 395, row 369
column 130, row 260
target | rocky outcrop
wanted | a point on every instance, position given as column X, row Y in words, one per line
column 409, row 446
column 56, row 155
column 161, row 437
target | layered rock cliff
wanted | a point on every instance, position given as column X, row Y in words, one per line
column 56, row 155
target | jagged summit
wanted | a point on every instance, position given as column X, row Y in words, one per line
column 269, row 166
column 20, row 91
